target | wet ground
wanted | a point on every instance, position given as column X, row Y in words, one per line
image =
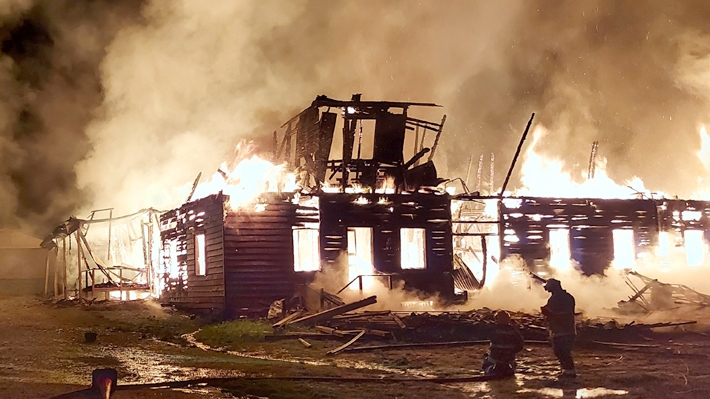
column 43, row 353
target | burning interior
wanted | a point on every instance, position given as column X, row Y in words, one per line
column 351, row 196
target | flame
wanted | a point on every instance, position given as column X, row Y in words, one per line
column 560, row 253
column 703, row 191
column 360, row 262
column 250, row 177
column 704, row 152
column 694, row 247
column 547, row 177
column 624, row 248
column 385, row 186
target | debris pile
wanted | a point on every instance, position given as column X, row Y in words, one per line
column 656, row 295
column 442, row 328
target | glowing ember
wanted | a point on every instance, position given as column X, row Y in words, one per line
column 387, row 186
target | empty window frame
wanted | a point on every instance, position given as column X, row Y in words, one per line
column 360, row 257
column 413, row 248
column 200, row 255
column 624, row 248
column 306, row 251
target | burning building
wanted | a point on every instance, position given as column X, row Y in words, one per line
column 351, row 194
column 367, row 216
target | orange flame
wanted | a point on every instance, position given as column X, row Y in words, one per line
column 248, row 178
column 547, row 177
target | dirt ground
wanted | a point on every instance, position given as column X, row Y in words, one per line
column 43, row 354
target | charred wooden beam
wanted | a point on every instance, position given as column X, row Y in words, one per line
column 328, row 314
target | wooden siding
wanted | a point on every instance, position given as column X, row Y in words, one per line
column 591, row 222
column 204, row 294
column 258, row 253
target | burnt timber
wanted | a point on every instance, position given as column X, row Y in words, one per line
column 372, row 182
column 525, row 224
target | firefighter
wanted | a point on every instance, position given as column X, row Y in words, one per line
column 506, row 341
column 559, row 312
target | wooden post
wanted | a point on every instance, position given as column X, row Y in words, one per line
column 64, row 265
column 515, row 158
column 416, row 139
column 110, row 218
column 149, row 257
column 46, row 274
column 479, row 174
column 120, row 283
column 56, row 271
column 468, row 172
column 436, row 139
column 78, row 264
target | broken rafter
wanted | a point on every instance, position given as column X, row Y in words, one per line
column 436, row 139
column 94, row 258
column 515, row 157
column 330, row 313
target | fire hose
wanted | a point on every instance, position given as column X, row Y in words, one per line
column 105, row 390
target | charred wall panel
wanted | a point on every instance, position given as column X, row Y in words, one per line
column 386, row 214
column 258, row 257
column 199, row 293
column 389, row 138
column 590, row 221
column 681, row 215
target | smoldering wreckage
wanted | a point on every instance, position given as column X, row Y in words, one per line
column 309, row 236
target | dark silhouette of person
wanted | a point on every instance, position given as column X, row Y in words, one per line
column 506, row 341
column 559, row 312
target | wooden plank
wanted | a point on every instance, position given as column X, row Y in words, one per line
column 287, row 320
column 621, row 345
column 328, row 314
column 399, row 321
column 268, row 251
column 345, row 345
column 239, row 264
column 304, row 342
column 197, row 289
column 365, row 314
column 258, row 219
column 284, row 211
column 418, row 345
column 262, row 238
column 203, row 305
column 297, row 334
column 260, row 247
column 251, row 232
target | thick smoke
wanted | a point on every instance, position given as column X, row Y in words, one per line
column 179, row 83
column 50, row 55
column 194, row 79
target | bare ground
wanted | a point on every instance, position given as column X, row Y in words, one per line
column 43, row 354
